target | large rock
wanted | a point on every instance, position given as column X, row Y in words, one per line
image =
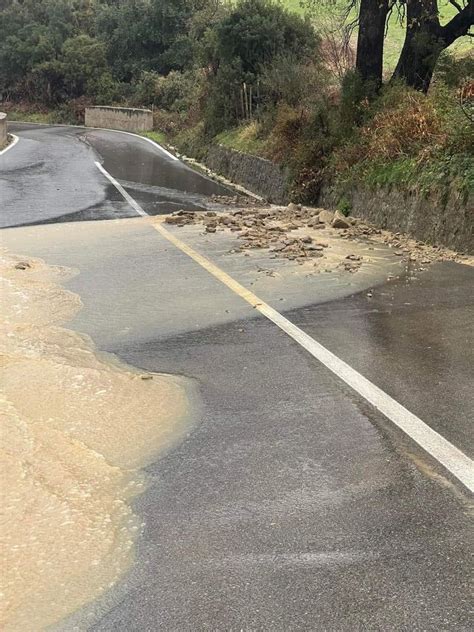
column 326, row 216
column 339, row 221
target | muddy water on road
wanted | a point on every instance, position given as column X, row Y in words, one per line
column 76, row 428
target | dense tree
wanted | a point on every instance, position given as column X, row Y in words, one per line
column 244, row 44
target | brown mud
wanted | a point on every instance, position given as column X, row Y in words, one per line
column 76, row 429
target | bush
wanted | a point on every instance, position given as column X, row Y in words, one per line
column 454, row 71
column 173, row 92
column 291, row 81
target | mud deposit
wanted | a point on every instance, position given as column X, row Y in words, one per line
column 76, row 429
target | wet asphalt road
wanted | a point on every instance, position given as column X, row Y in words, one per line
column 293, row 504
column 51, row 177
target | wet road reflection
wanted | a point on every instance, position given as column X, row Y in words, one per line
column 126, row 158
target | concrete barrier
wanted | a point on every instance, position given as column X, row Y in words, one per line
column 126, row 119
column 3, row 130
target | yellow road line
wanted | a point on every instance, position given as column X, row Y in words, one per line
column 453, row 459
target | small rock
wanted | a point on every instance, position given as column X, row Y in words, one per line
column 210, row 229
column 173, row 219
column 22, row 265
column 293, row 207
column 211, row 214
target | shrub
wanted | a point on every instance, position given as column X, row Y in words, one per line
column 454, row 71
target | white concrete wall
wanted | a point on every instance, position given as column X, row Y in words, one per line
column 3, row 130
column 127, row 119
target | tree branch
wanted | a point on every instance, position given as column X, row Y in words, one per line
column 459, row 25
column 456, row 5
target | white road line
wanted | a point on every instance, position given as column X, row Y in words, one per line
column 120, row 188
column 455, row 461
column 10, row 145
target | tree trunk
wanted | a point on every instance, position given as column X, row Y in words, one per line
column 425, row 40
column 370, row 40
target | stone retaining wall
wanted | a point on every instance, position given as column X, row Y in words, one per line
column 3, row 130
column 435, row 219
column 126, row 119
column 448, row 222
column 260, row 176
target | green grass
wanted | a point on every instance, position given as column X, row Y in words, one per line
column 396, row 31
column 158, row 136
column 442, row 173
column 29, row 117
column 243, row 139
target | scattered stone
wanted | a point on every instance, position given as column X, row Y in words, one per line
column 174, row 219
column 22, row 265
column 258, row 226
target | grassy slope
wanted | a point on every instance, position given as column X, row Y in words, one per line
column 396, row 31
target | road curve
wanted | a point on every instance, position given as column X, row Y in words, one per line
column 51, row 176
column 293, row 504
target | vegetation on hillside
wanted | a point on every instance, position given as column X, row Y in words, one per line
column 254, row 76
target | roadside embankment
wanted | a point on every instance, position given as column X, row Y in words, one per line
column 3, row 130
column 435, row 218
column 76, row 429
column 126, row 119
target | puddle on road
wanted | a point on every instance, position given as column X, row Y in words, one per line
column 76, row 428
